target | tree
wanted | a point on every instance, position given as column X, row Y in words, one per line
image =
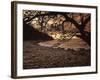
column 55, row 21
